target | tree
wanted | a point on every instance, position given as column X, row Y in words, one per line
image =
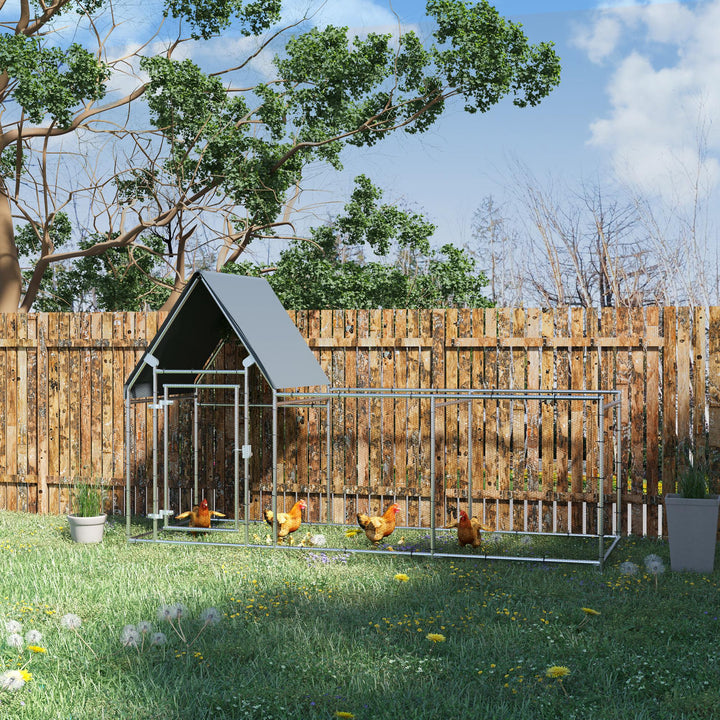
column 213, row 155
column 331, row 271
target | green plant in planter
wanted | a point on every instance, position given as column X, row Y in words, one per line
column 696, row 481
column 87, row 500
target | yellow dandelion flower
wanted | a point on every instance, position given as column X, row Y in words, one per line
column 590, row 611
column 401, row 577
column 352, row 532
column 26, row 676
column 36, row 649
column 435, row 637
column 557, row 671
column 342, row 714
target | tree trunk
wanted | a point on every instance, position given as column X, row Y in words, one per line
column 10, row 275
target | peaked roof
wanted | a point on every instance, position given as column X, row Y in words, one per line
column 212, row 306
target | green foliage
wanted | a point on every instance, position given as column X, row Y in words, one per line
column 330, row 270
column 119, row 279
column 696, row 478
column 487, row 57
column 87, row 500
column 51, row 81
column 210, row 17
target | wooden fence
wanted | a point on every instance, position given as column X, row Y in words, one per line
column 62, row 376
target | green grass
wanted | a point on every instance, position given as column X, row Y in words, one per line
column 305, row 635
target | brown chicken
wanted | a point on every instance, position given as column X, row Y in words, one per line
column 376, row 528
column 468, row 530
column 200, row 515
column 287, row 522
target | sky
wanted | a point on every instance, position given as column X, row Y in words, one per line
column 636, row 108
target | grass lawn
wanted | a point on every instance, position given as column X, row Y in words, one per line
column 301, row 634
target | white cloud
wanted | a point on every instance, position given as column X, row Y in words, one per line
column 663, row 93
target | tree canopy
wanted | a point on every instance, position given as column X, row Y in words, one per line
column 151, row 149
column 332, row 270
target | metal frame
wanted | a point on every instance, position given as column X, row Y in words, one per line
column 608, row 401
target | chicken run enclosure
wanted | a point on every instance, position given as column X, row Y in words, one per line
column 229, row 404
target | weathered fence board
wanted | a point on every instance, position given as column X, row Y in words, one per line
column 62, row 414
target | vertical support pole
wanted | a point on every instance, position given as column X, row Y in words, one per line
column 618, row 460
column 236, row 458
column 246, row 454
column 156, row 507
column 166, row 459
column 196, row 449
column 470, row 459
column 274, row 463
column 128, row 509
column 328, row 443
column 432, row 475
column 601, row 480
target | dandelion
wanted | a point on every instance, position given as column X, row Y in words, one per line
column 557, row 672
column 589, row 612
column 342, row 714
column 144, row 627
column 317, row 540
column 435, row 637
column 33, row 637
column 15, row 640
column 70, row 621
column 158, row 639
column 36, row 649
column 352, row 532
column 129, row 636
column 211, row 616
column 173, row 614
column 401, row 577
column 13, row 626
column 13, row 680
column 654, row 565
column 628, row 568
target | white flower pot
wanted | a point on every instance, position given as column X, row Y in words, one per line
column 87, row 529
column 692, row 532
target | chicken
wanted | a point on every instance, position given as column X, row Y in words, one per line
column 200, row 515
column 376, row 528
column 468, row 530
column 287, row 522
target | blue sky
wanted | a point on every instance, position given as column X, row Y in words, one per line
column 640, row 85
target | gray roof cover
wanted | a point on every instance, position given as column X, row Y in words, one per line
column 211, row 306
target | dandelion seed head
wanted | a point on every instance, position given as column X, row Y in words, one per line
column 628, row 568
column 129, row 637
column 318, row 540
column 158, row 639
column 13, row 680
column 33, row 637
column 654, row 564
column 179, row 611
column 70, row 621
column 144, row 627
column 165, row 612
column 211, row 616
column 14, row 640
column 13, row 626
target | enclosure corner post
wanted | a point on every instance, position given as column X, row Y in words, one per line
column 274, row 463
column 601, row 480
column 328, row 441
column 432, row 475
column 128, row 509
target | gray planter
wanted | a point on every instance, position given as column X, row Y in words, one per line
column 692, row 532
column 87, row 529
